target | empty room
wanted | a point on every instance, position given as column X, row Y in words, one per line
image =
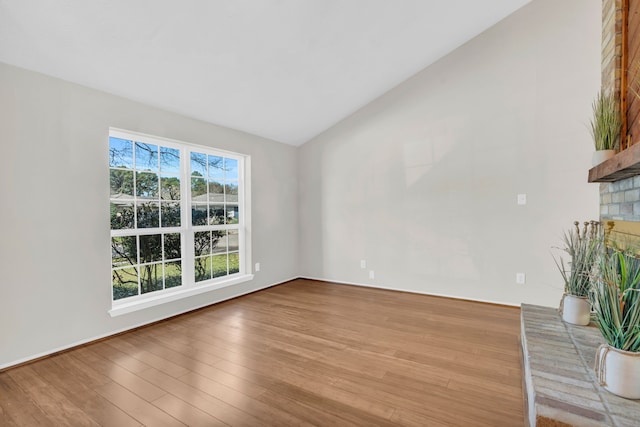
column 320, row 213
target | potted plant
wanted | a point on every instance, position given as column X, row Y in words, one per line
column 616, row 301
column 606, row 126
column 582, row 248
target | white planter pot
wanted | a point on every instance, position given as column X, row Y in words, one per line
column 601, row 155
column 576, row 310
column 618, row 371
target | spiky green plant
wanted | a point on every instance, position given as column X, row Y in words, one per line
column 616, row 300
column 583, row 250
column 606, row 122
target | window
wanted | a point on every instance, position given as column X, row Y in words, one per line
column 177, row 219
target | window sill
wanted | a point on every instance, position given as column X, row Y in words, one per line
column 155, row 300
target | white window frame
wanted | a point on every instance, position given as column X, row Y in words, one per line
column 189, row 287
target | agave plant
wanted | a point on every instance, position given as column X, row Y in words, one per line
column 583, row 251
column 616, row 300
column 606, row 122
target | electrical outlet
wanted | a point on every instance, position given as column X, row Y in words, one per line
column 520, row 278
column 372, row 274
column 257, row 267
column 363, row 263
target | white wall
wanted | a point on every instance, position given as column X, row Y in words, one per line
column 422, row 182
column 54, row 219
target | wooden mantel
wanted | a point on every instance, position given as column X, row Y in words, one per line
column 625, row 164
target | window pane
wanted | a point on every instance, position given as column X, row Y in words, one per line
column 124, row 282
column 170, row 160
column 151, row 278
column 170, row 188
column 231, row 192
column 216, row 191
column 120, row 153
column 172, row 246
column 198, row 190
column 231, row 169
column 219, row 265
column 198, row 164
column 150, row 248
column 216, row 214
column 216, row 167
column 199, row 214
column 148, row 215
column 121, row 183
column 146, row 157
column 234, row 263
column 172, row 274
column 218, row 241
column 124, row 251
column 233, row 240
column 147, row 185
column 202, row 243
column 170, row 214
column 232, row 214
column 202, row 268
column 218, row 236
column 121, row 215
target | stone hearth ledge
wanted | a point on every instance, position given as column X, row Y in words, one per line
column 560, row 386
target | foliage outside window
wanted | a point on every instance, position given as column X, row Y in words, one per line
column 176, row 215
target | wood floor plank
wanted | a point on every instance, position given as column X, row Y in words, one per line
column 408, row 418
column 122, row 359
column 5, row 418
column 186, row 413
column 88, row 359
column 193, row 366
column 85, row 368
column 252, row 406
column 321, row 385
column 137, row 407
column 58, row 408
column 468, row 366
column 209, row 371
column 287, row 401
column 62, row 372
column 120, row 343
column 305, row 353
column 17, row 406
column 215, row 407
column 177, row 354
column 345, row 409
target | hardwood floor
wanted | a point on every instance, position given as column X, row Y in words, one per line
column 302, row 353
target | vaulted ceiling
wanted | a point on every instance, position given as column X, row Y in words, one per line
column 282, row 69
